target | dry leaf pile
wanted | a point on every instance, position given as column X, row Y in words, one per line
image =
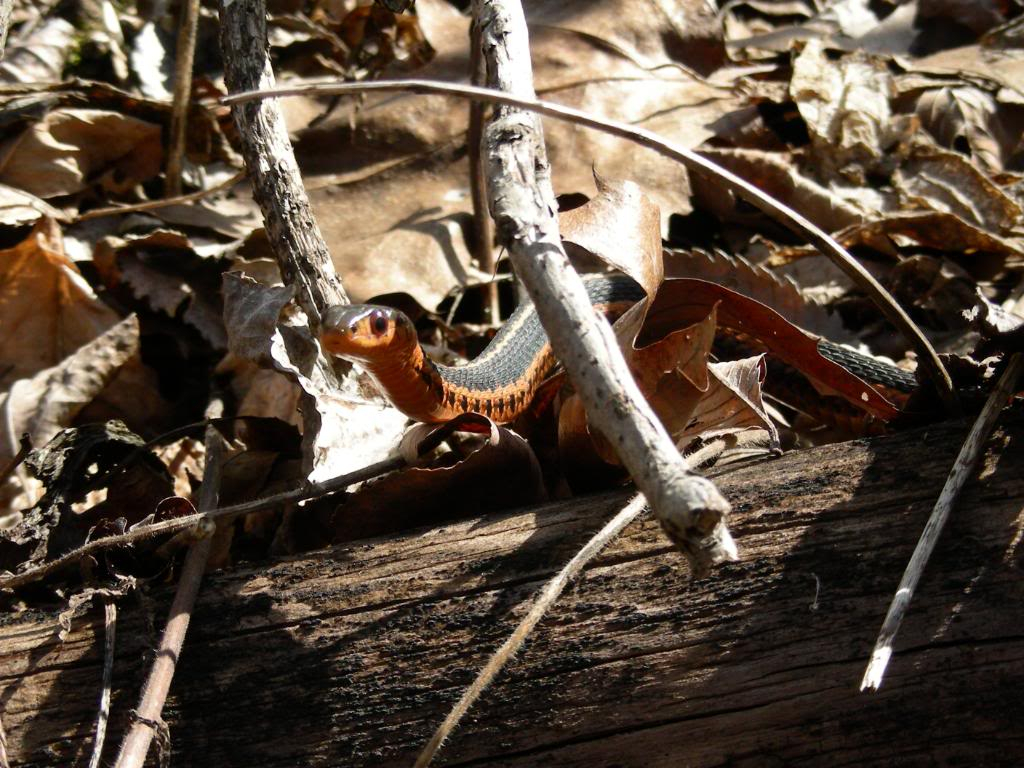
column 862, row 117
column 895, row 126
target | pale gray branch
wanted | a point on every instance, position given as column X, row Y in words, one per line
column 103, row 715
column 963, row 468
column 690, row 508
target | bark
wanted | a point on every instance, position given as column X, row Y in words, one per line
column 277, row 184
column 351, row 656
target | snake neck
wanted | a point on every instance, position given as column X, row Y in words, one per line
column 428, row 392
column 411, row 381
column 501, row 382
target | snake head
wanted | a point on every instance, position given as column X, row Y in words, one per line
column 366, row 332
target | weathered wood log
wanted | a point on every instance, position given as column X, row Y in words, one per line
column 351, row 656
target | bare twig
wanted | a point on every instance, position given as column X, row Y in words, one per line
column 136, row 743
column 152, row 205
column 184, row 56
column 141, row 533
column 689, row 507
column 544, row 601
column 292, row 230
column 930, row 365
column 103, row 716
column 484, row 226
column 24, row 448
column 963, row 468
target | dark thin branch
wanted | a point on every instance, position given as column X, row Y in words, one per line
column 24, row 448
column 184, row 57
column 153, row 205
column 484, row 225
column 292, row 230
column 140, row 736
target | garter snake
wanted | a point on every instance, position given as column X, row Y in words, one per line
column 500, row 382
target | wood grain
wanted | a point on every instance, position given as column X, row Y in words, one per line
column 351, row 656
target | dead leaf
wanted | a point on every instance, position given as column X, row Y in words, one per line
column 672, row 373
column 72, row 149
column 47, row 309
column 18, row 208
column 683, row 300
column 79, row 602
column 379, row 37
column 716, row 447
column 164, row 270
column 940, row 290
column 70, row 465
column 251, row 314
column 691, row 397
column 992, row 60
column 620, row 226
column 776, row 174
column 945, row 232
column 732, row 402
column 845, row 105
column 49, row 401
column 347, row 425
column 755, row 29
column 38, row 57
column 150, row 55
column 965, row 117
column 948, row 182
column 685, row 351
column 402, row 244
column 230, row 217
column 786, row 295
column 915, row 27
column 134, row 396
column 184, row 460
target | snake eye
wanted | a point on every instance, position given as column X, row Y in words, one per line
column 379, row 322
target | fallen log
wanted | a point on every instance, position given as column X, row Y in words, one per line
column 351, row 656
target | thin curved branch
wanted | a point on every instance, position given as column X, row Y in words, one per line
column 930, row 364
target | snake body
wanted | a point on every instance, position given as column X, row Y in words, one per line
column 501, row 382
